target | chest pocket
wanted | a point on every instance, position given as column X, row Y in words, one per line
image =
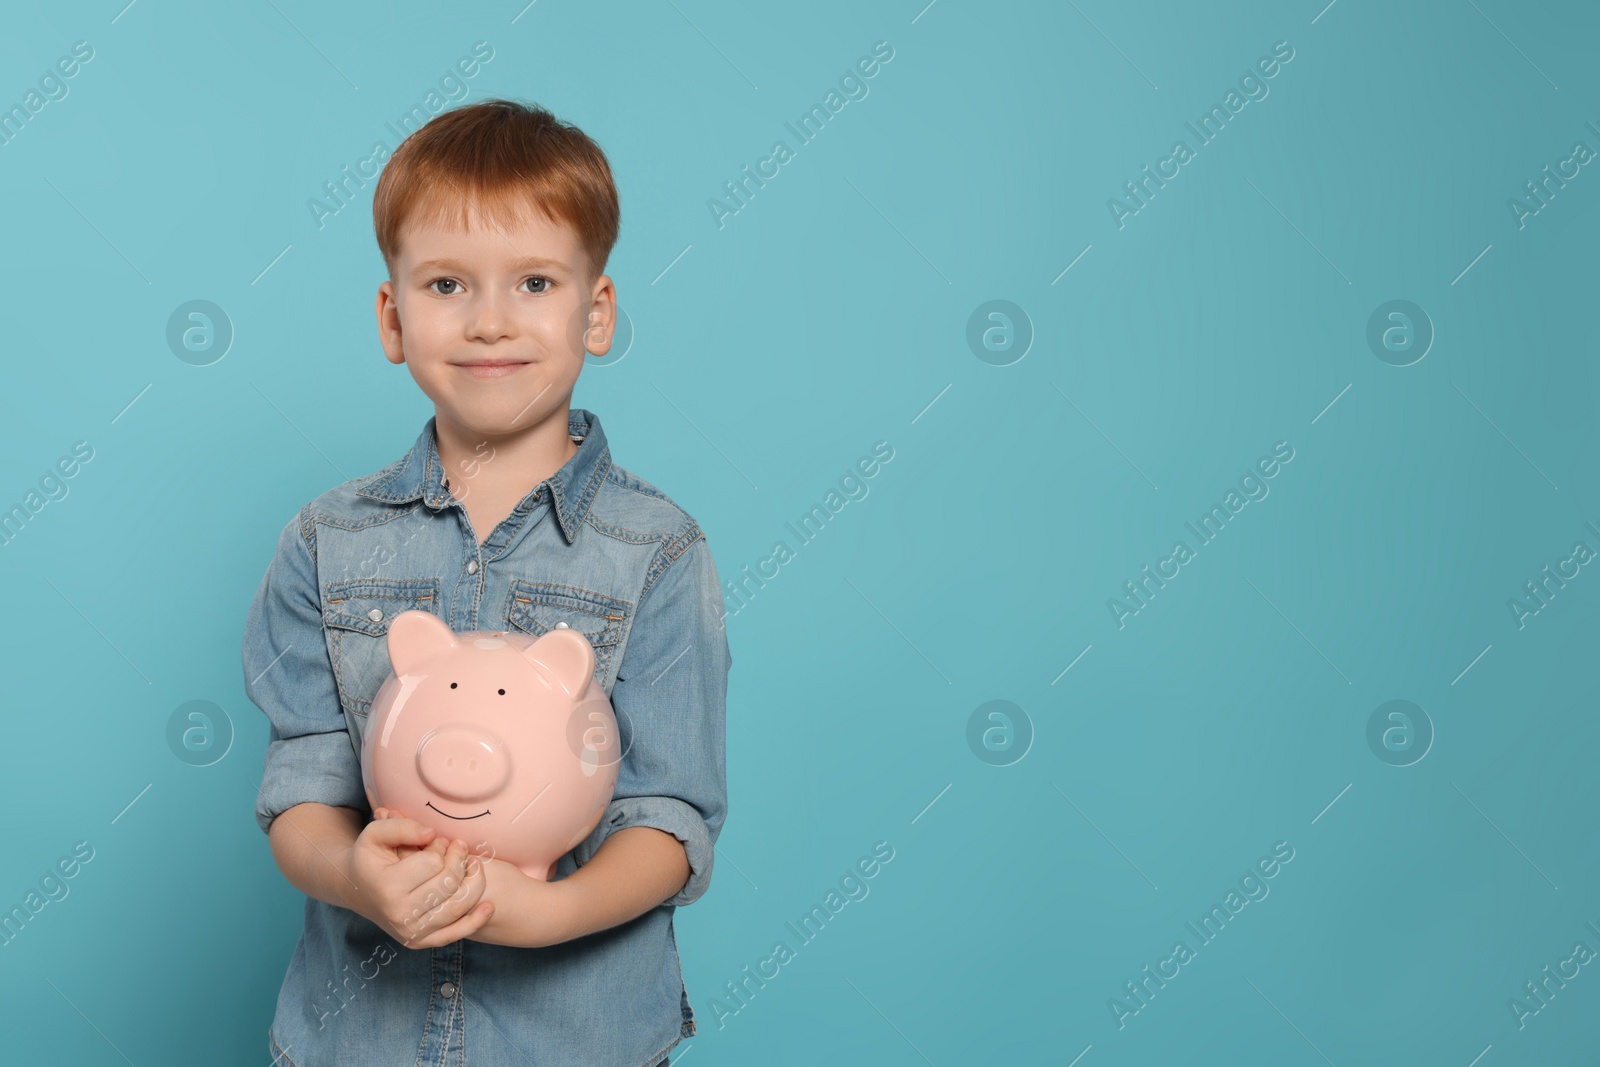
column 536, row 608
column 356, row 615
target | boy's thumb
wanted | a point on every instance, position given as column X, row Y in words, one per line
column 399, row 830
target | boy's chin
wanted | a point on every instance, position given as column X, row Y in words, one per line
column 504, row 418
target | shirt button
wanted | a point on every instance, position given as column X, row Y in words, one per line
column 375, row 615
column 472, row 566
column 447, row 990
column 562, row 626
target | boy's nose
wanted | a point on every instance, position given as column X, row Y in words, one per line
column 463, row 763
column 491, row 318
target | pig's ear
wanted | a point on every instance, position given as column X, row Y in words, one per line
column 565, row 657
column 416, row 637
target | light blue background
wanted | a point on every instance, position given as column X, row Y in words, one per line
column 830, row 313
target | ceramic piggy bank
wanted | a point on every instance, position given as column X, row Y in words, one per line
column 498, row 738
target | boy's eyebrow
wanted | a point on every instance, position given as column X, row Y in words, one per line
column 521, row 264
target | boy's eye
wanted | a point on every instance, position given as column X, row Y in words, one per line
column 540, row 278
column 443, row 281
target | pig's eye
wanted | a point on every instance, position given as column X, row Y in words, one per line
column 502, row 692
column 452, row 685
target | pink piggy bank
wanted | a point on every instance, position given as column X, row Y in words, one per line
column 494, row 737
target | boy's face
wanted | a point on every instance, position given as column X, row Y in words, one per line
column 493, row 321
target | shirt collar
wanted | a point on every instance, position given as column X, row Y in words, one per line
column 572, row 488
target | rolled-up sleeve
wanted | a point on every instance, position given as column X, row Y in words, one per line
column 288, row 675
column 670, row 698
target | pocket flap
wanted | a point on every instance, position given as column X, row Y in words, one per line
column 536, row 608
column 366, row 605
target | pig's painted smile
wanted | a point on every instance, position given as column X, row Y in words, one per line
column 447, row 815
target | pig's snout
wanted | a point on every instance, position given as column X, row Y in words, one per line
column 463, row 764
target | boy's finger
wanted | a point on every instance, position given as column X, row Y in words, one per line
column 474, row 880
column 447, row 909
column 398, row 831
column 448, row 881
column 465, row 926
column 464, row 894
column 426, row 865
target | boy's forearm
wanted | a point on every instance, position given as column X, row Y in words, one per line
column 633, row 870
column 309, row 844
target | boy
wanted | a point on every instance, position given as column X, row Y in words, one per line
column 495, row 222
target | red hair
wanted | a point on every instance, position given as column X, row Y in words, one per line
column 500, row 156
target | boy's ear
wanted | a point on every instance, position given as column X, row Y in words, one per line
column 565, row 657
column 388, row 312
column 600, row 317
column 416, row 637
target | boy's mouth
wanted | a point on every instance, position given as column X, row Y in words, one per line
column 486, row 368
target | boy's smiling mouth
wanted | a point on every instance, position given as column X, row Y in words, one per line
column 492, row 368
column 447, row 815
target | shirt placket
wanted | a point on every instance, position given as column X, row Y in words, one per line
column 444, row 1036
column 469, row 587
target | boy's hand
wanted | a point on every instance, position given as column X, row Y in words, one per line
column 437, row 845
column 481, row 849
column 419, row 890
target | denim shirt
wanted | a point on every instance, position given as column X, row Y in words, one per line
column 594, row 547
